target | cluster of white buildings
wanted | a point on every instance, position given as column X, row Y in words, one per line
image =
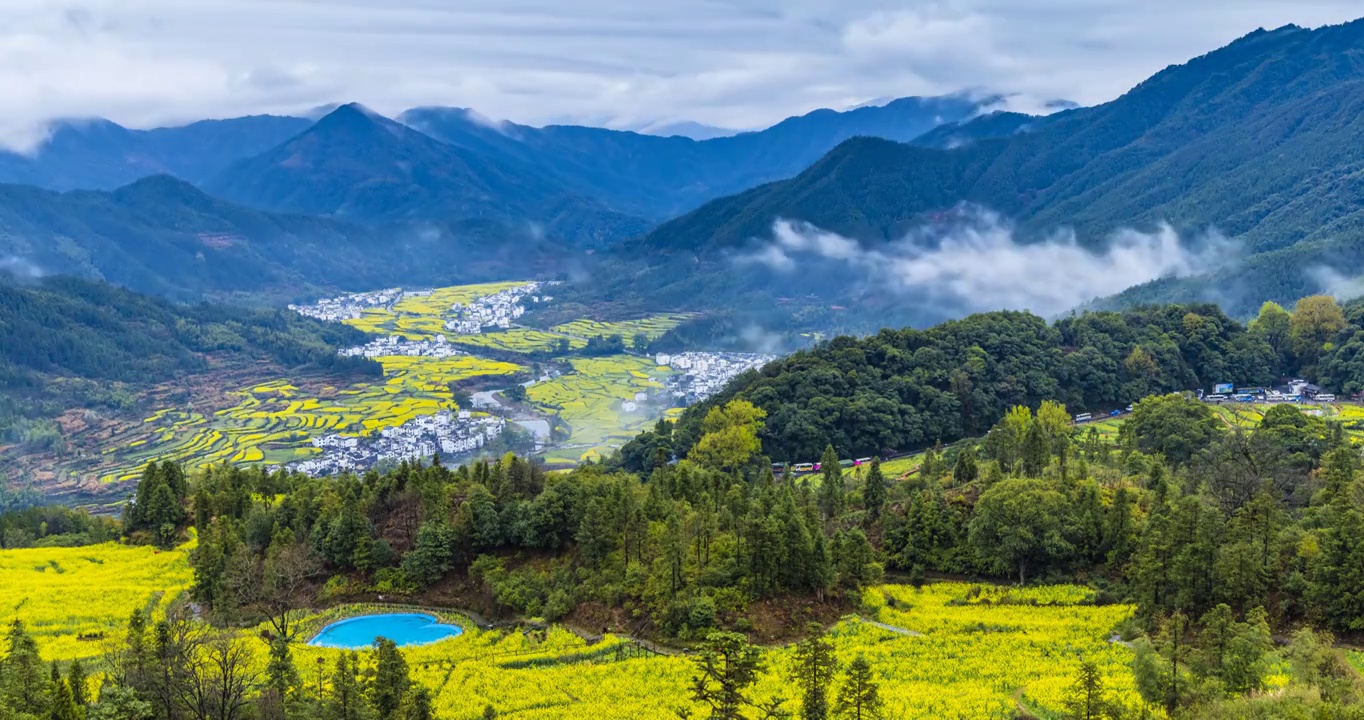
column 448, row 434
column 702, row 374
column 350, row 306
column 498, row 310
column 393, row 345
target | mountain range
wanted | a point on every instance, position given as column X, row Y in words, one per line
column 289, row 206
column 1259, row 142
column 164, row 236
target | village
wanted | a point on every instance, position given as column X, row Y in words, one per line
column 702, row 374
column 393, row 345
column 452, row 435
column 350, row 306
column 496, row 311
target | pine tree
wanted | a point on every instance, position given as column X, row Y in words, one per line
column 814, row 673
column 874, row 494
column 726, row 667
column 860, row 696
column 76, row 679
column 281, row 676
column 1036, row 453
column 1085, row 701
column 346, row 701
column 597, row 533
column 821, row 567
column 831, row 489
column 62, row 704
column 25, row 689
column 417, row 705
column 391, row 681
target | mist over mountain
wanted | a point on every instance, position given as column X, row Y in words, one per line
column 97, row 154
column 659, row 177
column 1259, row 141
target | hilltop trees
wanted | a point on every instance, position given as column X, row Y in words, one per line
column 158, row 509
column 1315, row 322
column 1174, row 426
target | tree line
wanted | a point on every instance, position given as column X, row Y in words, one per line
column 908, row 389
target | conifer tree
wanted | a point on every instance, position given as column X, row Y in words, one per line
column 874, row 493
column 346, row 700
column 417, row 705
column 62, row 704
column 1086, row 700
column 814, row 670
column 831, row 489
column 726, row 667
column 860, row 696
column 25, row 689
column 391, row 682
column 76, row 679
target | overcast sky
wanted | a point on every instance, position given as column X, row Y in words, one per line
column 620, row 63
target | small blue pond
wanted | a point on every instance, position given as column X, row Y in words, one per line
column 358, row 633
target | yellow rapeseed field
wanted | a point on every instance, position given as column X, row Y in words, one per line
column 64, row 594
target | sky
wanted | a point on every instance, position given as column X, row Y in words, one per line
column 616, row 63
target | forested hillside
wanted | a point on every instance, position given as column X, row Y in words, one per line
column 908, row 389
column 357, row 165
column 1256, row 140
column 73, row 343
column 1223, row 540
column 163, row 236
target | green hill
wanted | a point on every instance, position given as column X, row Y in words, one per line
column 163, row 236
column 362, row 167
column 66, row 342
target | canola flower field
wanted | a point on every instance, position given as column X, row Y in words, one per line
column 945, row 650
column 65, row 594
column 518, row 340
column 653, row 327
column 274, row 421
column 590, row 400
column 421, row 317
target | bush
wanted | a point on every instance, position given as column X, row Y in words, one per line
column 701, row 614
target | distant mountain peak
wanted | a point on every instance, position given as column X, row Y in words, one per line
column 163, row 188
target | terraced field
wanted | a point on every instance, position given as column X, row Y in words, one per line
column 274, row 422
column 518, row 340
column 654, row 327
column 589, row 401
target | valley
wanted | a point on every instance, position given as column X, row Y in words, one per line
column 461, row 376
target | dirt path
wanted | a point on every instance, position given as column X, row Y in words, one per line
column 891, row 628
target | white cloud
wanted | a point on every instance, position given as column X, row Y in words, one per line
column 622, row 63
column 978, row 265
